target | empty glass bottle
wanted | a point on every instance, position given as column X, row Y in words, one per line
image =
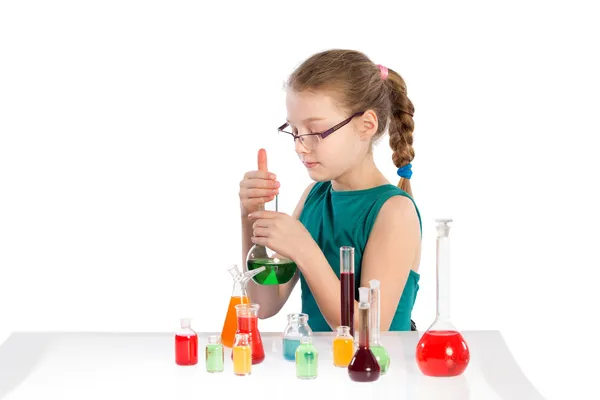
column 307, row 359
column 296, row 328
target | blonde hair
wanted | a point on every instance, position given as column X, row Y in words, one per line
column 359, row 86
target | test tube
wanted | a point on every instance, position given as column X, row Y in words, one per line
column 347, row 287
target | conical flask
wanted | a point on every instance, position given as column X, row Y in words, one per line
column 442, row 350
column 238, row 296
column 277, row 268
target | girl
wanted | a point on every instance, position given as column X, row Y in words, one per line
column 338, row 103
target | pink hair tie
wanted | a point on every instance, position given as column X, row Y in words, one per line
column 383, row 71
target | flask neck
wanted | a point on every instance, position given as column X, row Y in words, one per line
column 443, row 279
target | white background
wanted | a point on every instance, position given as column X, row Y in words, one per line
column 126, row 126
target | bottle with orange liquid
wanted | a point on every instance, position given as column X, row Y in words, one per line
column 442, row 350
column 238, row 296
column 343, row 347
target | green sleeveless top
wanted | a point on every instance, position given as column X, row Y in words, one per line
column 345, row 218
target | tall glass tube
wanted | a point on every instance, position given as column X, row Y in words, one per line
column 347, row 287
column 377, row 348
column 442, row 350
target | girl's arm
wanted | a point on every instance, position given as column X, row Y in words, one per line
column 392, row 250
column 270, row 298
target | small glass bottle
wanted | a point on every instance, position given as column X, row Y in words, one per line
column 442, row 351
column 296, row 328
column 186, row 344
column 383, row 358
column 307, row 359
column 343, row 347
column 215, row 354
column 364, row 366
column 242, row 355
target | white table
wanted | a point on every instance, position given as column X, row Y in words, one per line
column 112, row 366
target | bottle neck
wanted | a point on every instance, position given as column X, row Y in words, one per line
column 443, row 279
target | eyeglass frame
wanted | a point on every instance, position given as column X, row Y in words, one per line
column 324, row 134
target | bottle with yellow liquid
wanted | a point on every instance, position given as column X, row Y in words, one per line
column 343, row 347
column 238, row 296
column 242, row 355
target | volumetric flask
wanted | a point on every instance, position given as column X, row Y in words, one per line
column 383, row 358
column 442, row 350
column 278, row 269
column 297, row 327
column 364, row 366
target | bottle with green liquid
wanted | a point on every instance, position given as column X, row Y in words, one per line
column 307, row 359
column 278, row 269
column 380, row 353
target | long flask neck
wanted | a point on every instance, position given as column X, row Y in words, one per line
column 443, row 276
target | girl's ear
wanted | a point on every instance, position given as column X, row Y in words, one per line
column 367, row 125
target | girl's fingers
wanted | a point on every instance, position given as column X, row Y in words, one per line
column 259, row 184
column 256, row 193
column 260, row 232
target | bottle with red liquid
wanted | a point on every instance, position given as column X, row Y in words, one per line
column 442, row 351
column 247, row 322
column 186, row 344
column 364, row 366
column 347, row 287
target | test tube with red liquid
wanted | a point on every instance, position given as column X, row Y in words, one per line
column 186, row 344
column 442, row 351
column 347, row 287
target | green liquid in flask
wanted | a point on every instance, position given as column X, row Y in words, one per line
column 277, row 271
column 382, row 356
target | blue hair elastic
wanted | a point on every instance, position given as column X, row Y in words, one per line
column 405, row 172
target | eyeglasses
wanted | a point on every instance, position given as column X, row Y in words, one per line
column 311, row 140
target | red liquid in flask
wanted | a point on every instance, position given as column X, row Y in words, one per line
column 442, row 353
column 347, row 300
column 186, row 350
column 249, row 324
column 364, row 366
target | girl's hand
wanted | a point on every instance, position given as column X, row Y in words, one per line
column 258, row 187
column 281, row 233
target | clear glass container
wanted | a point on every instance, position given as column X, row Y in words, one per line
column 307, row 359
column 381, row 354
column 442, row 351
column 278, row 269
column 347, row 287
column 297, row 327
column 215, row 354
column 247, row 322
column 241, row 355
column 364, row 366
column 343, row 347
column 238, row 296
column 186, row 344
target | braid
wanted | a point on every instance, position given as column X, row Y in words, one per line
column 401, row 126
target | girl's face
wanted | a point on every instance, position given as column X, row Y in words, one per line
column 325, row 159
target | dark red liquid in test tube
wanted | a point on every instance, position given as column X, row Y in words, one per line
column 347, row 287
